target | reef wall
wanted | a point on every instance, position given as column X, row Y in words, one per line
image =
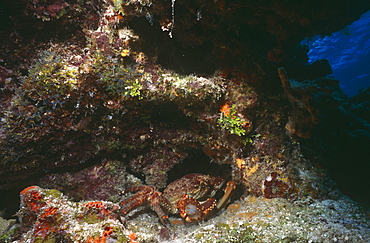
column 102, row 95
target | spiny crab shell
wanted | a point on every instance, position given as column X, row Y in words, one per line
column 191, row 196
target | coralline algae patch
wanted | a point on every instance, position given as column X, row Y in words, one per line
column 48, row 216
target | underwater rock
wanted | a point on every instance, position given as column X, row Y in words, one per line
column 155, row 165
column 6, row 228
column 275, row 187
column 360, row 104
column 104, row 92
column 48, row 216
column 104, row 181
column 307, row 98
column 47, row 9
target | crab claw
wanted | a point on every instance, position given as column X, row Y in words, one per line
column 230, row 187
column 192, row 210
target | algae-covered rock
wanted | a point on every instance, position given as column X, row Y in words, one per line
column 48, row 216
column 99, row 96
column 7, row 229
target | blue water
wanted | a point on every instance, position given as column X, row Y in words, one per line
column 348, row 52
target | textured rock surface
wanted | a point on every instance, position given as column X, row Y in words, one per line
column 47, row 216
column 100, row 96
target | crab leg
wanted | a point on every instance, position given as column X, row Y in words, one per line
column 230, row 187
column 131, row 204
column 157, row 201
column 136, row 200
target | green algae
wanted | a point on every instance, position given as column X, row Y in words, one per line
column 119, row 80
column 53, row 193
column 231, row 122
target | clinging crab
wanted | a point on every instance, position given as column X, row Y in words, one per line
column 182, row 196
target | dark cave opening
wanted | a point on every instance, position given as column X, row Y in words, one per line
column 9, row 203
column 169, row 115
column 198, row 162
